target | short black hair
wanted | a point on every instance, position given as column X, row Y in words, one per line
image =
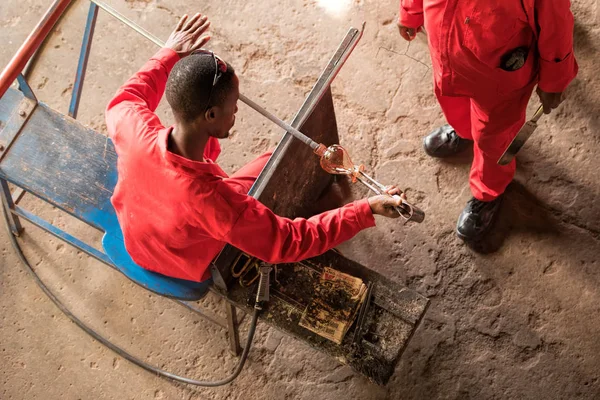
column 190, row 82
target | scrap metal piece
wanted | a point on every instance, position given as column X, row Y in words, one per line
column 519, row 140
column 362, row 314
column 262, row 295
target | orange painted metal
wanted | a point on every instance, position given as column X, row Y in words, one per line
column 31, row 44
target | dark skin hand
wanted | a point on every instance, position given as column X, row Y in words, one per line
column 187, row 36
column 384, row 204
column 407, row 33
column 550, row 100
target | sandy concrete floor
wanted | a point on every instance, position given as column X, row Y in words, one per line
column 517, row 320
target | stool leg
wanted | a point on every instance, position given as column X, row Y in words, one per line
column 15, row 223
column 232, row 328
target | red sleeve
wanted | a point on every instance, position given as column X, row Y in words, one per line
column 259, row 232
column 411, row 13
column 132, row 108
column 558, row 66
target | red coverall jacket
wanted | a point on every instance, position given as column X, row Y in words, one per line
column 483, row 102
column 177, row 214
column 468, row 38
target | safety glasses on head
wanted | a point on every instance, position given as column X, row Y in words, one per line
column 220, row 69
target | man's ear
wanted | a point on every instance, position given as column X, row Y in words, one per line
column 210, row 114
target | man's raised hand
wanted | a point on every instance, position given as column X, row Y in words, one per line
column 188, row 34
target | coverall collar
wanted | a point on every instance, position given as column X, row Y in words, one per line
column 184, row 165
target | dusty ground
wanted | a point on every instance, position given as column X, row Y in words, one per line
column 518, row 322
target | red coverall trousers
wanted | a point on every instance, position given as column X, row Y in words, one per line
column 491, row 123
column 481, row 100
column 244, row 178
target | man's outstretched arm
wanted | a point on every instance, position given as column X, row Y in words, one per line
column 250, row 226
column 136, row 101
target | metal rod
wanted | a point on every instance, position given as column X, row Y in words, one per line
column 17, row 195
column 84, row 56
column 284, row 125
column 297, row 134
column 233, row 329
column 62, row 235
column 31, row 44
column 128, row 22
column 215, row 320
column 373, row 181
column 333, row 67
column 367, row 184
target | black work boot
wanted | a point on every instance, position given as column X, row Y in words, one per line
column 444, row 142
column 477, row 218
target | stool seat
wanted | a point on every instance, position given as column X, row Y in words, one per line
column 181, row 289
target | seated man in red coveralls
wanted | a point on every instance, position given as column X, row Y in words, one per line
column 487, row 56
column 176, row 207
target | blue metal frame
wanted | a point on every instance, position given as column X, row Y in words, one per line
column 25, row 88
column 9, row 205
column 84, row 56
column 15, row 212
column 62, row 235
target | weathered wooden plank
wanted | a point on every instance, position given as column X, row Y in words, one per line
column 297, row 179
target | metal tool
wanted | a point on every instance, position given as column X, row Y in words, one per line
column 364, row 310
column 247, row 272
column 519, row 140
column 262, row 295
column 297, row 134
column 406, row 210
column 341, row 165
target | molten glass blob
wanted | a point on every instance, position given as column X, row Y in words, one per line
column 336, row 160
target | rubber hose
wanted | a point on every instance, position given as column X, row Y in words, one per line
column 115, row 348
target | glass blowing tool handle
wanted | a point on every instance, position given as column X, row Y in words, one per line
column 407, row 211
column 413, row 213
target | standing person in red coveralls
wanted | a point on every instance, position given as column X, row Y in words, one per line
column 176, row 207
column 487, row 57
